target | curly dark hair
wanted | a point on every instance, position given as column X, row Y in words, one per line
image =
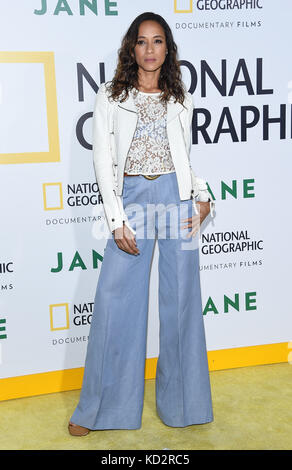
column 126, row 73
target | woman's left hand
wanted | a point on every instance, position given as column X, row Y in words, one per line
column 195, row 221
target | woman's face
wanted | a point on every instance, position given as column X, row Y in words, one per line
column 150, row 50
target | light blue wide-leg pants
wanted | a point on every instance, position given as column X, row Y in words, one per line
column 112, row 392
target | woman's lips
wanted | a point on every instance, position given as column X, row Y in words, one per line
column 150, row 60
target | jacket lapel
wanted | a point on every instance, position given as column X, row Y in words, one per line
column 173, row 109
column 128, row 104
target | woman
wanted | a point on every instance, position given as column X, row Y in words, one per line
column 141, row 142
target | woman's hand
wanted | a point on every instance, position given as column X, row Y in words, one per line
column 195, row 221
column 125, row 240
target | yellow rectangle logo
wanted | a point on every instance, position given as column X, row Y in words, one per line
column 59, row 316
column 51, row 110
column 53, row 196
column 183, row 6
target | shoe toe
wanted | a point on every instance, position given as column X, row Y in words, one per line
column 76, row 430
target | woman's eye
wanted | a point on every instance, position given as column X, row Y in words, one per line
column 141, row 41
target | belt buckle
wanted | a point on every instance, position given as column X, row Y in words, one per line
column 151, row 177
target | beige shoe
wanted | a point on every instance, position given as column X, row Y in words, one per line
column 76, row 430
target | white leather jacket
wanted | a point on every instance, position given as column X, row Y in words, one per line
column 114, row 124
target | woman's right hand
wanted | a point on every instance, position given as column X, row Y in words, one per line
column 125, row 240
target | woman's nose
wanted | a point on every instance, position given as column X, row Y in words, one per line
column 150, row 48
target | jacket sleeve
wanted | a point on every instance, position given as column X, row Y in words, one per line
column 199, row 184
column 103, row 163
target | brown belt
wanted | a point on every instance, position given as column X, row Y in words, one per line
column 148, row 177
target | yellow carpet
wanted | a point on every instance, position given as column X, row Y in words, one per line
column 252, row 410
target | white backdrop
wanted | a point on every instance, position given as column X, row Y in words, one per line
column 54, row 56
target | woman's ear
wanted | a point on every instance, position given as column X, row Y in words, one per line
column 133, row 55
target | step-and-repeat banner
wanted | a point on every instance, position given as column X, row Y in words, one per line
column 235, row 57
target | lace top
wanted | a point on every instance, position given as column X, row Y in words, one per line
column 149, row 153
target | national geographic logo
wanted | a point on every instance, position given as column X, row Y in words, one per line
column 256, row 116
column 186, row 6
column 60, row 320
column 183, row 6
column 57, row 196
column 76, row 195
column 229, row 242
column 60, row 317
column 68, row 7
column 26, row 65
column 53, row 196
